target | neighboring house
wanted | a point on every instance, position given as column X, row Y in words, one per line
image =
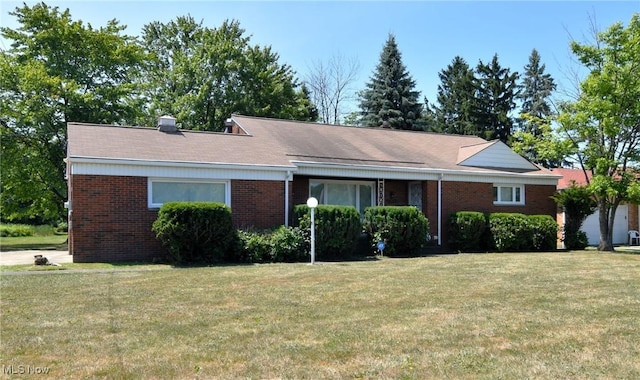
column 119, row 177
column 626, row 217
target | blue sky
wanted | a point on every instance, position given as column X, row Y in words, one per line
column 429, row 33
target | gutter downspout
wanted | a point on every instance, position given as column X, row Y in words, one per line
column 440, row 209
column 286, row 198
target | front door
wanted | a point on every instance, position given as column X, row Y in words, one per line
column 415, row 194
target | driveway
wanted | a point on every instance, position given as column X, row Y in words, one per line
column 27, row 257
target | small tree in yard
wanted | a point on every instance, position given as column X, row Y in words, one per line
column 577, row 204
column 604, row 122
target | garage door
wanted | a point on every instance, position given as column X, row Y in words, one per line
column 591, row 227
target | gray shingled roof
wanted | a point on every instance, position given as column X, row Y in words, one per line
column 277, row 142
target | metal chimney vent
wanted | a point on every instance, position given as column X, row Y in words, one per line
column 167, row 124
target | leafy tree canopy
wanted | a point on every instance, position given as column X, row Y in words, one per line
column 57, row 70
column 604, row 122
column 201, row 76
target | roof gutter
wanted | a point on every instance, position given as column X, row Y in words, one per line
column 412, row 173
column 191, row 164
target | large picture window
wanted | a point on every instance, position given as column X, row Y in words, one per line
column 343, row 193
column 162, row 191
column 508, row 194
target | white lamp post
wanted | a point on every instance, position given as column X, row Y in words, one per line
column 313, row 203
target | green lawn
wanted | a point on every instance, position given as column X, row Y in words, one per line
column 56, row 242
column 513, row 316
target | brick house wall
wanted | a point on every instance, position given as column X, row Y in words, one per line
column 111, row 221
column 257, row 204
column 463, row 196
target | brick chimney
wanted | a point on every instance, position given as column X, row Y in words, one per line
column 167, row 124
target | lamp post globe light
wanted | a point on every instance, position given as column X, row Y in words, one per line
column 312, row 203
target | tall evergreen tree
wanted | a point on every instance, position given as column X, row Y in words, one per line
column 389, row 98
column 456, row 99
column 535, row 115
column 496, row 99
column 535, row 89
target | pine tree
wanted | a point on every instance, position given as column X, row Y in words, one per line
column 456, row 99
column 535, row 90
column 535, row 115
column 496, row 99
column 389, row 98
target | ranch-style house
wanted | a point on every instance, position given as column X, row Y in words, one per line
column 118, row 177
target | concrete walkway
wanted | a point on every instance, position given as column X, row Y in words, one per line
column 27, row 257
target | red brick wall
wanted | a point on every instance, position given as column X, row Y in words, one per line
column 110, row 221
column 258, row 204
column 396, row 193
column 458, row 196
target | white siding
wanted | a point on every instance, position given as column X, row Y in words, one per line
column 591, row 227
column 498, row 155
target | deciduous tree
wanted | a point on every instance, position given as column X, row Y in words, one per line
column 329, row 84
column 604, row 122
column 202, row 75
column 57, row 70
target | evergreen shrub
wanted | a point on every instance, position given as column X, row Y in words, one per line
column 509, row 232
column 403, row 229
column 544, row 232
column 196, row 232
column 336, row 229
column 466, row 230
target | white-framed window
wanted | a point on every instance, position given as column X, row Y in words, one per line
column 161, row 190
column 508, row 194
column 359, row 194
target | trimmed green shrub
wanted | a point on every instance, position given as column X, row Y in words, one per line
column 255, row 247
column 509, row 231
column 544, row 231
column 288, row 245
column 466, row 230
column 196, row 232
column 403, row 229
column 16, row 230
column 337, row 228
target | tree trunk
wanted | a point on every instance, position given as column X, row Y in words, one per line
column 606, row 214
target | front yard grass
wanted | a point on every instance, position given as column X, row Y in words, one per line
column 42, row 242
column 538, row 315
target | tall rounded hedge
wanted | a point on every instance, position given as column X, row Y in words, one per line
column 544, row 232
column 466, row 229
column 196, row 232
column 336, row 229
column 403, row 229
